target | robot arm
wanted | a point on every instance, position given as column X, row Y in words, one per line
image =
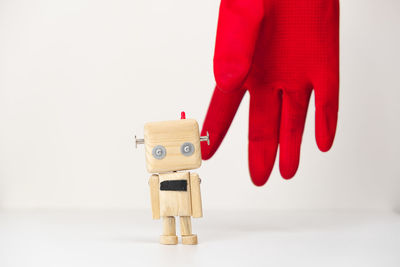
column 155, row 196
column 197, row 210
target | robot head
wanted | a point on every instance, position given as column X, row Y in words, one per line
column 172, row 145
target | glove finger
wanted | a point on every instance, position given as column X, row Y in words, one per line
column 265, row 108
column 294, row 112
column 237, row 33
column 326, row 113
column 219, row 117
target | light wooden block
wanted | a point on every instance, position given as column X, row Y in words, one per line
column 169, row 226
column 172, row 135
column 155, row 196
column 197, row 210
column 186, row 225
column 175, row 203
column 189, row 240
column 169, row 239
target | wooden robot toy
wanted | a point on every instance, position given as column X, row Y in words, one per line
column 171, row 149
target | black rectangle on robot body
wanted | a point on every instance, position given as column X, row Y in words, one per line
column 173, row 185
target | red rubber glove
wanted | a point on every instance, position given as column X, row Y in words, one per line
column 278, row 50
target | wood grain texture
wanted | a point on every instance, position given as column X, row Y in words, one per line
column 175, row 203
column 186, row 225
column 189, row 240
column 169, row 226
column 171, row 135
column 197, row 209
column 168, row 239
column 169, row 231
column 155, row 196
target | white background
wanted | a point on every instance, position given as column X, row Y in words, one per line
column 79, row 78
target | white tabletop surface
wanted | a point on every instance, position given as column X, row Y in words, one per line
column 267, row 238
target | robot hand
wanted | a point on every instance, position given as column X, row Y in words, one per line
column 279, row 51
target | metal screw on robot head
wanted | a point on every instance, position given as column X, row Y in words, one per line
column 138, row 141
column 205, row 138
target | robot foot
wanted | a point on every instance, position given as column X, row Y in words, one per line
column 168, row 239
column 189, row 239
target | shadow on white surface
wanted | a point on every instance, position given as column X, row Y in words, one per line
column 248, row 238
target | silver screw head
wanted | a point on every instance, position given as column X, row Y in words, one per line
column 159, row 152
column 187, row 149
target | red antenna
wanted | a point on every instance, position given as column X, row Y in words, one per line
column 183, row 115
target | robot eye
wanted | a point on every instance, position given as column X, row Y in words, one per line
column 187, row 149
column 159, row 152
